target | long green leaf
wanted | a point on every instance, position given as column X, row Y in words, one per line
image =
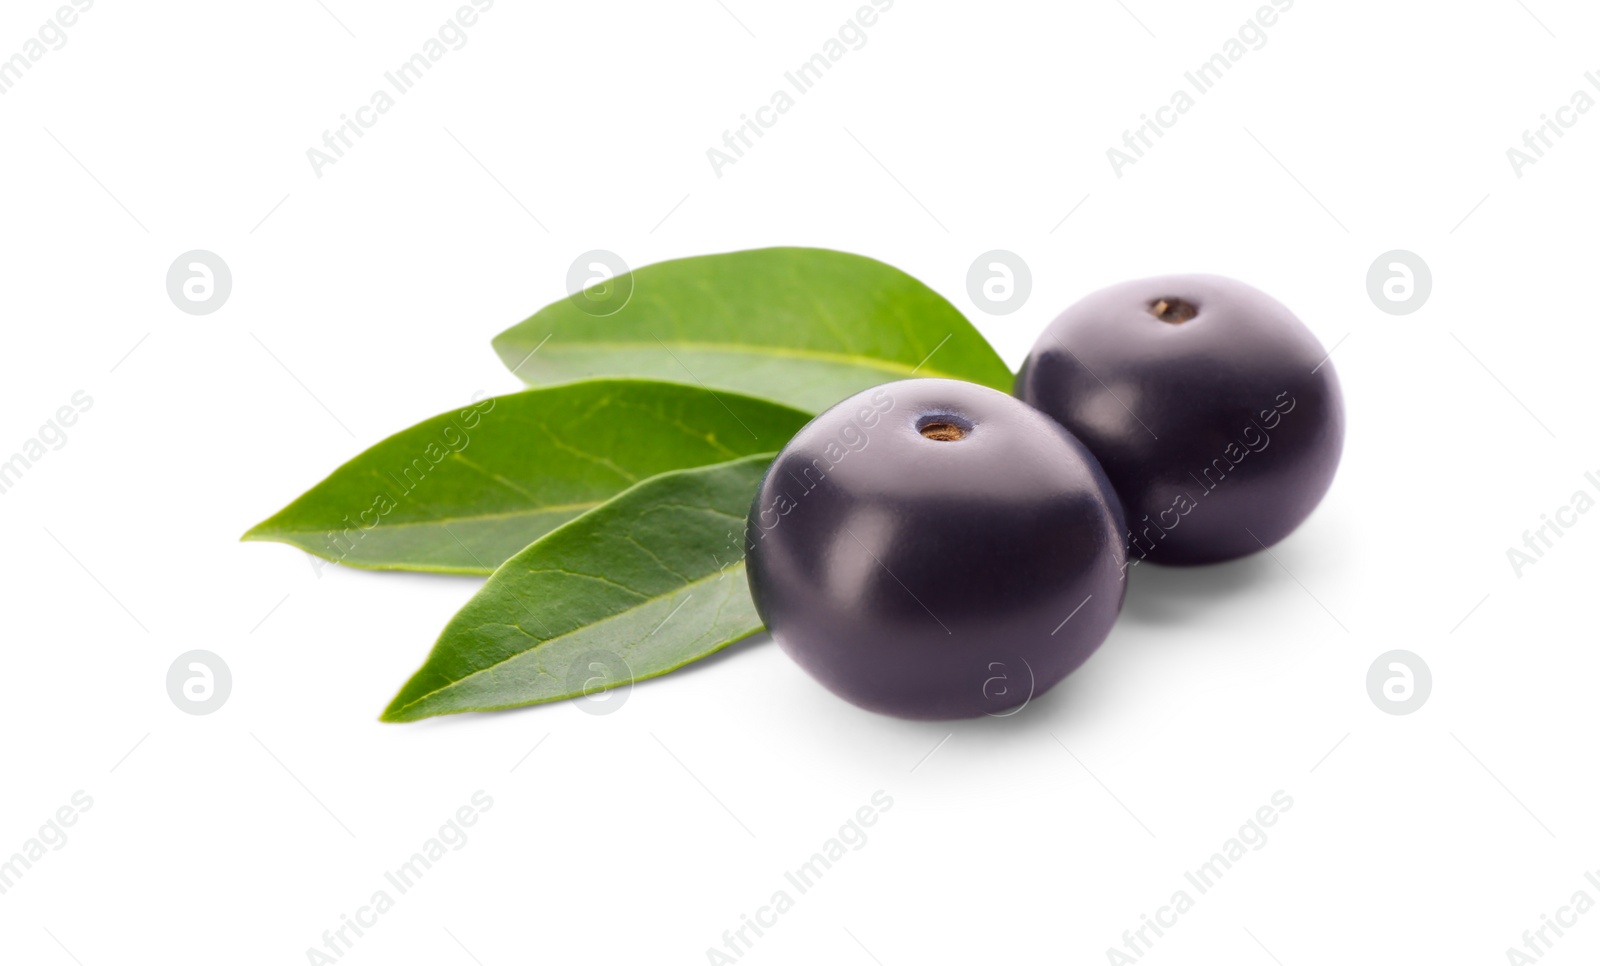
column 646, row 583
column 805, row 326
column 463, row 491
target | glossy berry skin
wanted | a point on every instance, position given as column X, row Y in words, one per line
column 936, row 549
column 1214, row 411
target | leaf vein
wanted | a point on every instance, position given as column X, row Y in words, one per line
column 543, row 642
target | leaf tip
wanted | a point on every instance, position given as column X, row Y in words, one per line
column 400, row 711
column 269, row 529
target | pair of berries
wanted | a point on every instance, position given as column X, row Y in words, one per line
column 937, row 549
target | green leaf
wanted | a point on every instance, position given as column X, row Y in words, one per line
column 645, row 584
column 805, row 326
column 462, row 492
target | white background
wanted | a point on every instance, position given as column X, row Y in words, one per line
column 366, row 301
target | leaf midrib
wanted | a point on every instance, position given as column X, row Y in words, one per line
column 443, row 521
column 777, row 352
column 728, row 572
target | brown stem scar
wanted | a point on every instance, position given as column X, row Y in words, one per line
column 1174, row 310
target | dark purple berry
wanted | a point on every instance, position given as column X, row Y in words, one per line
column 936, row 549
column 1214, row 411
